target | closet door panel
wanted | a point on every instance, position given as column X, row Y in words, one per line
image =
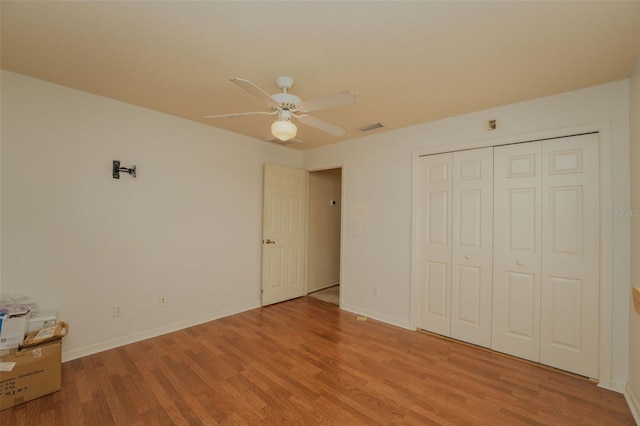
column 517, row 250
column 472, row 235
column 521, row 297
column 570, row 264
column 434, row 296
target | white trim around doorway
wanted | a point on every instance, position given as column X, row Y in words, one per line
column 319, row 168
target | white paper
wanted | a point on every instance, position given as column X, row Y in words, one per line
column 45, row 333
column 7, row 366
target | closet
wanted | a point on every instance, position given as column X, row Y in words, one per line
column 509, row 249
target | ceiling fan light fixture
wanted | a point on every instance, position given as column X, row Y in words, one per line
column 286, row 105
column 284, row 130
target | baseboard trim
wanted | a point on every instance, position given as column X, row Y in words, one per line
column 147, row 334
column 613, row 385
column 376, row 316
column 633, row 402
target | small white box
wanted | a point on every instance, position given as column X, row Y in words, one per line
column 13, row 328
column 42, row 319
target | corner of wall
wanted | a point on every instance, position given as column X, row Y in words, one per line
column 0, row 186
column 633, row 385
column 633, row 402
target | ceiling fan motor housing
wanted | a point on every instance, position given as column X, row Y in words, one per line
column 286, row 100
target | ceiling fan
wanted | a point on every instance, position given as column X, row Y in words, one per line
column 287, row 106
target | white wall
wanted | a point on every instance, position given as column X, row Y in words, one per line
column 323, row 263
column 188, row 227
column 633, row 389
column 377, row 184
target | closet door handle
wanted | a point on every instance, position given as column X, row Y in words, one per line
column 520, row 262
column 268, row 241
column 468, row 257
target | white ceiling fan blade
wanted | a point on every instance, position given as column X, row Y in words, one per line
column 321, row 125
column 339, row 99
column 240, row 114
column 254, row 90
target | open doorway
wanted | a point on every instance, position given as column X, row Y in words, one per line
column 325, row 207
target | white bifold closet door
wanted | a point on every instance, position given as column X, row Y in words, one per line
column 434, row 297
column 570, row 296
column 472, row 254
column 456, row 245
column 546, row 252
column 517, row 249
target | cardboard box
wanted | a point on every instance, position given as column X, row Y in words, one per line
column 13, row 327
column 42, row 319
column 30, row 373
column 636, row 299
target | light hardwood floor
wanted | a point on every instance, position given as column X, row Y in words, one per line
column 306, row 362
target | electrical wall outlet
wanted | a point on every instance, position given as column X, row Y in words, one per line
column 374, row 291
column 117, row 311
column 163, row 301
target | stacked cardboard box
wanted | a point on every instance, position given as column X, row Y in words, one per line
column 29, row 373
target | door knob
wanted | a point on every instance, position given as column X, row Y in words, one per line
column 520, row 262
column 268, row 241
column 468, row 257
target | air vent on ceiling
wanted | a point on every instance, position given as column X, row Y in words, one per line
column 372, row 126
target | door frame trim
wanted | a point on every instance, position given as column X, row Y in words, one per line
column 319, row 168
column 606, row 226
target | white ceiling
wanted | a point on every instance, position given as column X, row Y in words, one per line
column 407, row 62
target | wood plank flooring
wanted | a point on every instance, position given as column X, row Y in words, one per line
column 306, row 362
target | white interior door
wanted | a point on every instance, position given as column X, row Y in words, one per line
column 472, row 239
column 517, row 250
column 570, row 262
column 434, row 296
column 283, row 233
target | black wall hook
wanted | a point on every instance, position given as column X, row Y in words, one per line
column 117, row 169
